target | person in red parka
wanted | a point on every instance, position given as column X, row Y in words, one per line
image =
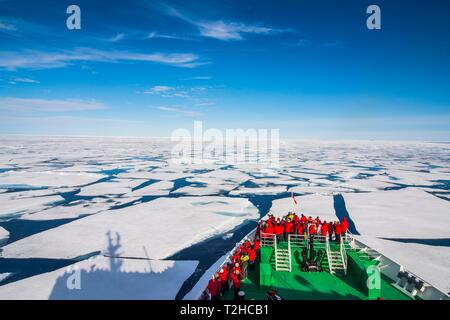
column 303, row 219
column 237, row 266
column 330, row 230
column 338, row 231
column 223, row 278
column 344, row 225
column 299, row 227
column 214, row 287
column 279, row 229
column 270, row 229
column 317, row 220
column 288, row 228
column 236, row 278
column 324, row 229
column 312, row 229
column 256, row 244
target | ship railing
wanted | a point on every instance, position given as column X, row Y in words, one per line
column 349, row 238
column 296, row 240
column 320, row 240
column 327, row 249
column 268, row 239
column 289, row 253
column 343, row 255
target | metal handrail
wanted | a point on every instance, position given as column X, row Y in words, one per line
column 327, row 249
column 343, row 255
column 268, row 239
column 297, row 239
column 289, row 252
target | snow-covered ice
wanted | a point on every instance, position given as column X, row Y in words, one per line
column 12, row 206
column 48, row 178
column 111, row 187
column 158, row 228
column 406, row 213
column 4, row 236
column 105, row 278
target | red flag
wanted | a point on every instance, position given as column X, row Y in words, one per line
column 293, row 198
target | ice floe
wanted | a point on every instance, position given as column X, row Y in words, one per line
column 111, row 187
column 12, row 206
column 160, row 228
column 102, row 277
column 4, row 236
column 48, row 178
column 406, row 213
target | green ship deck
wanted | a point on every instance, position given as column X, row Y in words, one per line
column 302, row 285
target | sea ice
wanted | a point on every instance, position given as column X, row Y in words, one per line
column 4, row 236
column 160, row 228
column 12, row 206
column 405, row 213
column 105, row 278
column 48, row 178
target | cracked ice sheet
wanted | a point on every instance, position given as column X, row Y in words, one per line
column 325, row 190
column 406, row 213
column 217, row 182
column 112, row 187
column 160, row 227
column 417, row 178
column 259, row 191
column 160, row 188
column 431, row 263
column 208, row 190
column 135, row 280
column 12, row 206
column 76, row 210
column 48, row 178
column 79, row 208
column 165, row 173
column 366, row 185
column 4, row 236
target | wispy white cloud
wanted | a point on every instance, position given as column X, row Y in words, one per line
column 118, row 37
column 164, row 91
column 205, row 104
column 7, row 27
column 46, row 105
column 154, row 35
column 15, row 80
column 158, row 89
column 199, row 78
column 168, row 92
column 223, row 30
column 45, row 60
column 230, row 30
column 178, row 110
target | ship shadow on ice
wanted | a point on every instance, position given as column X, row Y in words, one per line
column 100, row 281
column 341, row 212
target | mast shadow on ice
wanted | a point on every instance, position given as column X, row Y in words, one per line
column 107, row 277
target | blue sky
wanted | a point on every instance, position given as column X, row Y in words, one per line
column 145, row 68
